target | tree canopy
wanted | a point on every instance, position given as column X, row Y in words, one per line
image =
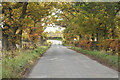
column 24, row 20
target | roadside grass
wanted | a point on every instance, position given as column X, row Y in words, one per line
column 101, row 56
column 16, row 67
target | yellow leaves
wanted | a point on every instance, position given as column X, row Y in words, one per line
column 8, row 30
column 17, row 31
column 31, row 62
column 35, row 34
column 6, row 11
column 86, row 18
column 102, row 11
column 6, row 19
column 4, row 4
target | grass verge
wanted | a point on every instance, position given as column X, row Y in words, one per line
column 16, row 67
column 101, row 56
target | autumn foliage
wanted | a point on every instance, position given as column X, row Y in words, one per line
column 112, row 45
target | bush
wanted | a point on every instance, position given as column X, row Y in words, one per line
column 86, row 44
column 109, row 44
column 49, row 42
column 63, row 42
column 77, row 44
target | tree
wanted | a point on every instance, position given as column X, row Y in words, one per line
column 16, row 14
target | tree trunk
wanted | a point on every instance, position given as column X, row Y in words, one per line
column 92, row 37
column 24, row 8
column 88, row 38
column 5, row 42
column 113, row 32
column 113, row 28
column 98, row 36
column 105, row 31
column 80, row 36
column 20, row 38
column 14, row 45
column 41, row 40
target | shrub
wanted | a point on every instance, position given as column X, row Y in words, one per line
column 77, row 44
column 86, row 44
column 109, row 44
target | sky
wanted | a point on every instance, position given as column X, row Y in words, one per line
column 56, row 27
column 53, row 27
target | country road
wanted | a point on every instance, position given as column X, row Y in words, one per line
column 61, row 62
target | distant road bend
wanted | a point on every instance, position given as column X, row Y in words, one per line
column 61, row 62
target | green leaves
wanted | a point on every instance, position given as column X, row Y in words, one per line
column 91, row 18
column 78, row 18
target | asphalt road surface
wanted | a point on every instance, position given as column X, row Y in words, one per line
column 61, row 62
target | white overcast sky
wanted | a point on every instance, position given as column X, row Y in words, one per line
column 56, row 27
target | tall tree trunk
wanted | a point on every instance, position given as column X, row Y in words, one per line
column 113, row 26
column 41, row 39
column 20, row 38
column 5, row 42
column 98, row 36
column 88, row 38
column 24, row 8
column 105, row 31
column 113, row 32
column 80, row 36
column 92, row 37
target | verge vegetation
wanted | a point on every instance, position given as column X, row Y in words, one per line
column 23, row 60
